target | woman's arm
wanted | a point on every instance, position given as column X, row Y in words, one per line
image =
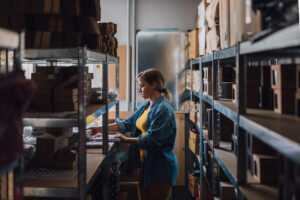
column 131, row 140
column 112, row 128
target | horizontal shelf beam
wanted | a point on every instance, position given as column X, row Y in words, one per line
column 225, row 53
column 207, row 99
column 226, row 108
column 277, row 141
column 61, row 55
column 225, row 159
column 50, row 192
column 286, row 38
column 46, row 122
column 112, row 59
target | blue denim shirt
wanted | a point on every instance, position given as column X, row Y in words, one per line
column 160, row 164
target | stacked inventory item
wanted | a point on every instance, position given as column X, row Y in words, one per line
column 224, row 16
column 57, row 88
column 283, row 81
column 202, row 26
column 265, row 90
column 109, row 42
column 196, row 81
column 193, row 44
column 242, row 26
column 60, row 24
column 213, row 33
column 253, row 85
column 52, row 150
column 188, row 78
column 262, row 162
column 207, row 81
column 46, row 79
column 298, row 92
column 226, row 81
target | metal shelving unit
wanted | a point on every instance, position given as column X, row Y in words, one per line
column 280, row 132
column 80, row 57
column 12, row 41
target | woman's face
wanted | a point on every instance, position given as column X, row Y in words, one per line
column 145, row 89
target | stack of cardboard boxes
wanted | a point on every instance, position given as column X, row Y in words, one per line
column 57, row 88
column 57, row 23
column 222, row 23
column 207, row 81
column 213, row 33
column 283, row 81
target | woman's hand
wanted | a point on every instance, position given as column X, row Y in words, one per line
column 123, row 138
column 95, row 130
column 132, row 140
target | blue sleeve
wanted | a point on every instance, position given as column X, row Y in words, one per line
column 159, row 132
column 126, row 124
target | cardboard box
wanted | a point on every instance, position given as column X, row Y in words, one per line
column 207, row 87
column 253, row 97
column 66, row 107
column 226, row 128
column 193, row 41
column 266, row 98
column 46, row 147
column 212, row 40
column 45, row 77
column 42, row 6
column 227, row 191
column 234, row 93
column 194, row 142
column 224, row 13
column 226, row 74
column 253, row 76
column 266, row 77
column 265, row 168
column 196, row 80
column 193, row 184
column 243, row 26
column 284, row 102
column 201, row 14
column 212, row 14
column 283, row 76
column 207, row 73
column 88, row 25
column 71, row 7
column 51, row 23
column 225, row 90
column 41, row 39
column 47, row 70
column 202, row 40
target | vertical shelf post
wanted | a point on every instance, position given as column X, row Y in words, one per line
column 81, row 123
column 241, row 104
column 202, row 185
column 117, row 89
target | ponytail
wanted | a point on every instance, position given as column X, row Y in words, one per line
column 168, row 95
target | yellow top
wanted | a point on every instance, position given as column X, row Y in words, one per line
column 141, row 125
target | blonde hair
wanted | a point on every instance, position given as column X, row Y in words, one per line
column 155, row 76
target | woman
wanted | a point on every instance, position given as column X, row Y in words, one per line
column 153, row 132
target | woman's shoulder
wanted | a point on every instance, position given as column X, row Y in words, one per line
column 165, row 106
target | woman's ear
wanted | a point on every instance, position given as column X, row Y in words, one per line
column 153, row 85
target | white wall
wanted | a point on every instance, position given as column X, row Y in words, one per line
column 179, row 14
column 116, row 11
